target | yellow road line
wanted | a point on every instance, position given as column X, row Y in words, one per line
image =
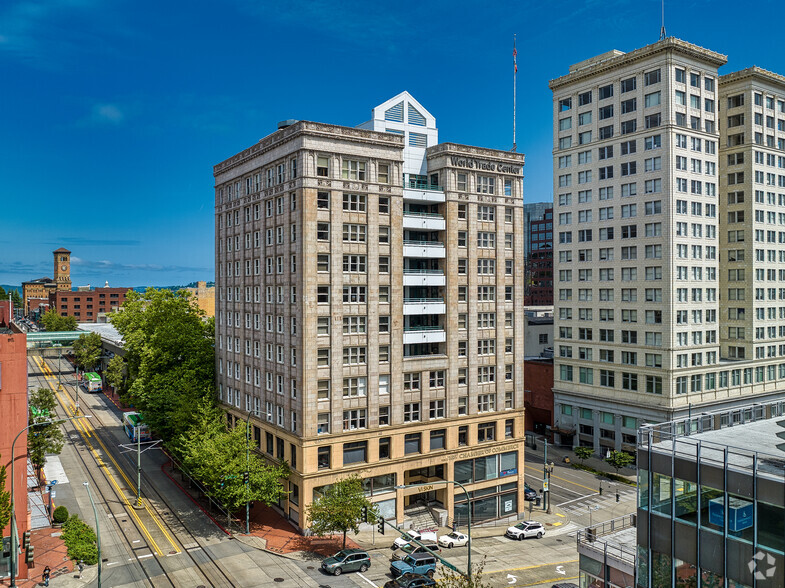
column 562, row 479
column 559, row 579
column 556, row 563
column 87, row 433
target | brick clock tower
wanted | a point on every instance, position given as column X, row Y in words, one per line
column 62, row 275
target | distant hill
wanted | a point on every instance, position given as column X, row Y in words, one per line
column 175, row 288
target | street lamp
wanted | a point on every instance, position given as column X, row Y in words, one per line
column 468, row 512
column 547, row 471
column 97, row 531
column 247, row 477
column 14, row 529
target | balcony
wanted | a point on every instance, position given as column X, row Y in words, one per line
column 413, row 306
column 423, row 277
column 424, row 334
column 424, row 221
column 424, row 249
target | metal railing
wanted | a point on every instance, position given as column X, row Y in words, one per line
column 592, row 538
column 411, row 328
column 423, row 300
column 434, row 272
column 419, row 184
column 423, row 243
column 423, row 214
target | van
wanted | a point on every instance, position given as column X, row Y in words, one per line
column 417, row 563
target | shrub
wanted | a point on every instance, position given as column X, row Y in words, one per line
column 60, row 515
column 79, row 538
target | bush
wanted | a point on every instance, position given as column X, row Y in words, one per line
column 60, row 515
column 80, row 540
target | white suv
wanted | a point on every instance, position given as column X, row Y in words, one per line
column 525, row 529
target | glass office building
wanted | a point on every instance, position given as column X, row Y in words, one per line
column 711, row 500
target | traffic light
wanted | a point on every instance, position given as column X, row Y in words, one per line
column 26, row 540
column 381, row 525
column 365, row 514
column 245, row 478
column 29, row 554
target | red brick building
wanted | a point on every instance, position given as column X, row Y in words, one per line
column 86, row 306
column 539, row 264
column 13, row 408
column 538, row 394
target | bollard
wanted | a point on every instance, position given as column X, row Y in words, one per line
column 600, row 489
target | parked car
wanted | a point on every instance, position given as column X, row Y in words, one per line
column 409, row 535
column 529, row 493
column 418, row 563
column 347, row 560
column 454, row 539
column 411, row 581
column 525, row 529
column 399, row 554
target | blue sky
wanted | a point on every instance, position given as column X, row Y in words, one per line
column 113, row 112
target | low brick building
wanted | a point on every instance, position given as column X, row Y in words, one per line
column 88, row 306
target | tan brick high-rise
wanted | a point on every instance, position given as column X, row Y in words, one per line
column 370, row 308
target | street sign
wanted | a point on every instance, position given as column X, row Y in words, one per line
column 54, row 494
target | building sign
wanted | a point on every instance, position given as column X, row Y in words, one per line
column 510, row 472
column 488, row 451
column 490, row 166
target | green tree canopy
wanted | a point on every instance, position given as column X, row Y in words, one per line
column 87, row 350
column 52, row 321
column 340, row 507
column 583, row 453
column 619, row 459
column 16, row 299
column 216, row 456
column 45, row 438
column 169, row 356
column 5, row 501
column 116, row 374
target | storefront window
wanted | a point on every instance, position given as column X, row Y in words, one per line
column 463, row 471
column 508, row 463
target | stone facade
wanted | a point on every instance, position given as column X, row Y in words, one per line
column 354, row 272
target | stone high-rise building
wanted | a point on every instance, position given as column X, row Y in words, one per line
column 369, row 310
column 636, row 240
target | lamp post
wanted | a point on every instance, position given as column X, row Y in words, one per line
column 97, row 530
column 247, row 477
column 14, row 529
column 468, row 512
column 547, row 471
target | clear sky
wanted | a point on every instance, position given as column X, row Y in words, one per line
column 113, row 112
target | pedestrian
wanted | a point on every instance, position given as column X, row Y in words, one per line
column 81, row 568
column 45, row 575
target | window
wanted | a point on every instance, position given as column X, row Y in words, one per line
column 486, row 432
column 353, row 170
column 354, row 202
column 411, row 443
column 651, row 77
column 322, row 166
column 605, row 92
column 411, row 412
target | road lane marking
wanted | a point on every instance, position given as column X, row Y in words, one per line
column 144, row 556
column 546, row 582
column 559, row 478
column 577, row 499
column 556, row 563
column 560, row 515
column 366, row 579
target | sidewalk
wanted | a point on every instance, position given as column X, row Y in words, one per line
column 49, row 551
column 557, row 455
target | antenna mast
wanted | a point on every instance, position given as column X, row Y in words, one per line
column 662, row 30
column 514, row 90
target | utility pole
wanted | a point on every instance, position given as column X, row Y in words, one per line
column 138, row 467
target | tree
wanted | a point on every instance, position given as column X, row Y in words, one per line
column 16, row 299
column 116, row 374
column 5, row 501
column 452, row 579
column 340, row 508
column 619, row 459
column 169, row 356
column 44, row 438
column 87, row 350
column 54, row 322
column 583, row 453
column 216, row 456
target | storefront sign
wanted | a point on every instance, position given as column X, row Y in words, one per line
column 510, row 472
column 484, row 165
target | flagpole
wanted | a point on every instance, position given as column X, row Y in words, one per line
column 514, row 90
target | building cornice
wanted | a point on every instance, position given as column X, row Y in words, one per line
column 305, row 127
column 753, row 73
column 510, row 157
column 669, row 44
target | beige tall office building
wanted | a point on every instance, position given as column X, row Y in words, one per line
column 667, row 253
column 369, row 307
column 752, row 183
